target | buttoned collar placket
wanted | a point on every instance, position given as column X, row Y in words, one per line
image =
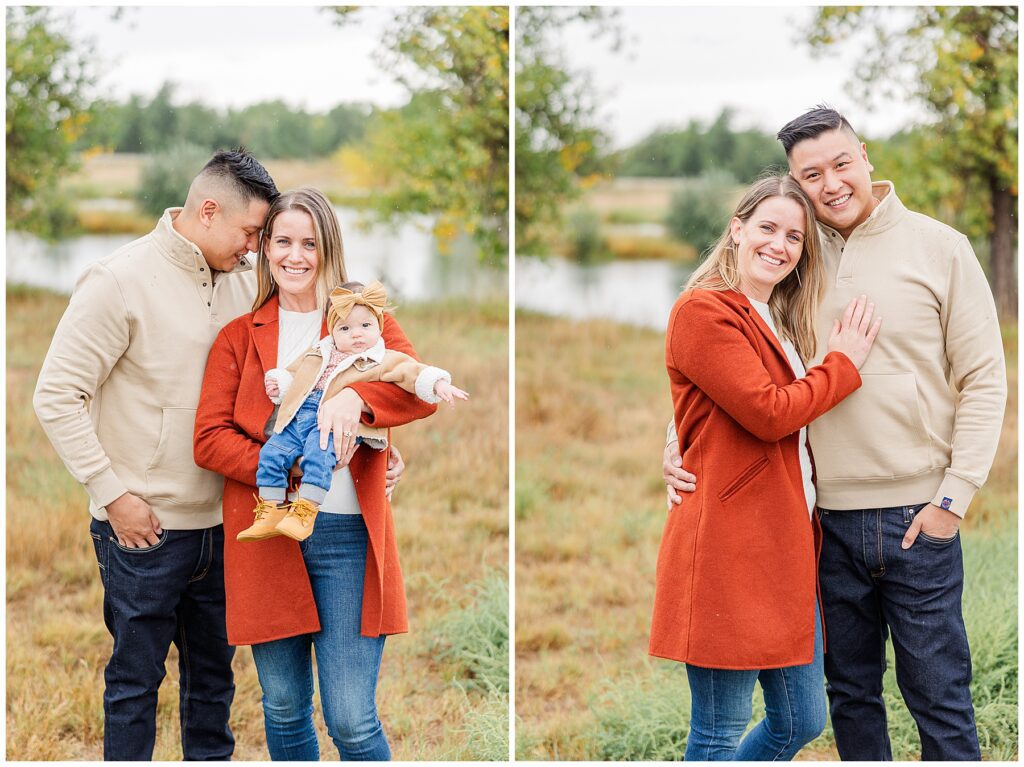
column 186, row 254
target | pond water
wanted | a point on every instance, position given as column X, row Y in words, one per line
column 634, row 292
column 404, row 257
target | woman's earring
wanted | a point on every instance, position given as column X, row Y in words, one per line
column 798, row 280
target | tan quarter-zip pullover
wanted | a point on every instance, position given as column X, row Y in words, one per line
column 118, row 389
column 925, row 424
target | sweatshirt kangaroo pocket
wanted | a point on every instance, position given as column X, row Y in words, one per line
column 878, row 432
column 172, row 474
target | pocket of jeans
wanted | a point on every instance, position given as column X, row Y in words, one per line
column 938, row 541
column 97, row 545
column 144, row 550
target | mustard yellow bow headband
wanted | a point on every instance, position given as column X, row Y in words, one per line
column 373, row 297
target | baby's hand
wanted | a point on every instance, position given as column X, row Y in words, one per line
column 449, row 393
column 272, row 389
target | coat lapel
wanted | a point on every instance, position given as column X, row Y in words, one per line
column 766, row 331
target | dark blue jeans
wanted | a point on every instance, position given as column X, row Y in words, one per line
column 347, row 662
column 172, row 591
column 870, row 588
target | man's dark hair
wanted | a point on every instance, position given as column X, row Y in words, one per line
column 247, row 176
column 812, row 124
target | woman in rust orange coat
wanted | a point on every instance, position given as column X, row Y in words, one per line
column 339, row 591
column 736, row 597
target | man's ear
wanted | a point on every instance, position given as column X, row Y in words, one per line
column 208, row 208
column 864, row 154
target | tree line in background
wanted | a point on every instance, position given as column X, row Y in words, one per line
column 444, row 153
column 268, row 129
column 959, row 166
column 698, row 149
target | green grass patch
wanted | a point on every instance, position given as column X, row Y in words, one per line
column 472, row 638
column 631, row 216
column 484, row 730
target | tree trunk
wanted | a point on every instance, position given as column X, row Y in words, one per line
column 1002, row 265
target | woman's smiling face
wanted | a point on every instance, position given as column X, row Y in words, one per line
column 292, row 254
column 768, row 245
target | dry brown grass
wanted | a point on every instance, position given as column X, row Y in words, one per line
column 590, row 507
column 632, row 248
column 451, row 516
column 649, row 196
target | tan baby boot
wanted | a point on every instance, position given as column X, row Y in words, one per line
column 267, row 516
column 298, row 522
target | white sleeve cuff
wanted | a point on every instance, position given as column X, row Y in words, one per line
column 670, row 435
column 426, row 380
column 284, row 381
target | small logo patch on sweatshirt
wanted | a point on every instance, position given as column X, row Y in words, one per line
column 946, row 503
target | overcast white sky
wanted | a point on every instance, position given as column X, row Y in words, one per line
column 234, row 56
column 684, row 63
column 678, row 63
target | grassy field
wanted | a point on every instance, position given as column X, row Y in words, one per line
column 589, row 511
column 443, row 693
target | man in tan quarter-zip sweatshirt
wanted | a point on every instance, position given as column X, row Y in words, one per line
column 899, row 461
column 117, row 397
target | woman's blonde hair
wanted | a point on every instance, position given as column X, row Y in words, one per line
column 330, row 269
column 794, row 301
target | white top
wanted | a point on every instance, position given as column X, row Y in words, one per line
column 800, row 371
column 299, row 332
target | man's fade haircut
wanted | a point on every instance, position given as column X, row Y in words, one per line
column 812, row 124
column 243, row 173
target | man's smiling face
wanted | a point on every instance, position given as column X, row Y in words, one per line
column 834, row 171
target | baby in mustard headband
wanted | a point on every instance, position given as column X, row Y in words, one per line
column 353, row 352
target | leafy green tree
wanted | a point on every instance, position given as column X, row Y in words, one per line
column 344, row 124
column 160, row 120
column 202, row 125
column 583, row 227
column 131, row 119
column 274, row 129
column 914, row 161
column 699, row 211
column 46, row 110
column 166, row 176
column 961, row 63
column 446, row 152
column 557, row 140
column 697, row 149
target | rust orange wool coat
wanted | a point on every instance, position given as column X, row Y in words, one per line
column 737, row 567
column 268, row 590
